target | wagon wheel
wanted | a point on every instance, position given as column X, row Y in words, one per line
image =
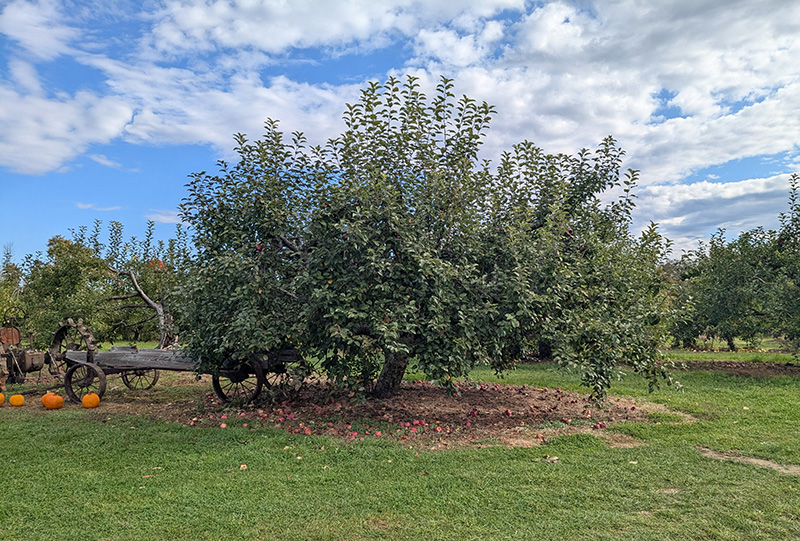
column 275, row 379
column 70, row 337
column 239, row 385
column 285, row 372
column 276, row 376
column 140, row 379
column 14, row 317
column 82, row 379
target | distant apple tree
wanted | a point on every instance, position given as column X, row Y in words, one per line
column 394, row 245
column 745, row 287
column 121, row 287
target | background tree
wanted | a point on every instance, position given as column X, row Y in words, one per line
column 67, row 282
column 734, row 286
column 687, row 324
column 83, row 277
column 144, row 274
column 745, row 287
column 10, row 284
column 785, row 296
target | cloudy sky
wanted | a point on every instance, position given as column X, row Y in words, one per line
column 106, row 106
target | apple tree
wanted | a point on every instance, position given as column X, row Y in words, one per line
column 733, row 283
column 395, row 245
column 65, row 282
column 786, row 293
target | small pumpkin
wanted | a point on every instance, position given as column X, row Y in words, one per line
column 2, row 399
column 90, row 400
column 16, row 400
column 52, row 401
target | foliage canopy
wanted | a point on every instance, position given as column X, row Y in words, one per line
column 396, row 244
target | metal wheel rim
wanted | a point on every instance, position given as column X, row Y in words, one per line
column 82, row 379
column 239, row 387
column 140, row 379
column 70, row 337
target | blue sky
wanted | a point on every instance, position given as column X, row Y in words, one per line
column 107, row 106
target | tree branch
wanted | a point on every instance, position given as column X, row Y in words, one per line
column 292, row 295
column 124, row 324
column 122, row 297
column 139, row 291
column 289, row 244
column 132, row 306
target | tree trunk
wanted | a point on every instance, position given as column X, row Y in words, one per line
column 731, row 344
column 168, row 336
column 394, row 368
column 165, row 325
column 545, row 350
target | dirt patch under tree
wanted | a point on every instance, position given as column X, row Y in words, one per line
column 421, row 413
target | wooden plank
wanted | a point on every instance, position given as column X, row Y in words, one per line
column 160, row 359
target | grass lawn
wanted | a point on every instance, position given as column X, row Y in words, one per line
column 106, row 346
column 732, row 356
column 74, row 473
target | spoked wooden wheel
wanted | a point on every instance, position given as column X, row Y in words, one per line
column 239, row 386
column 140, row 379
column 70, row 337
column 82, row 379
column 276, row 377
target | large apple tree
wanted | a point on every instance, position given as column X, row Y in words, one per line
column 395, row 245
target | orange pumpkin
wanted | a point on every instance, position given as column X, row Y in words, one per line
column 2, row 399
column 90, row 400
column 52, row 401
column 16, row 400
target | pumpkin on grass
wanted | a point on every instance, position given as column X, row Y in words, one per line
column 2, row 398
column 52, row 401
column 16, row 400
column 90, row 400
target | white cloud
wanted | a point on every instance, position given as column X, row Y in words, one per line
column 25, row 76
column 104, row 160
column 681, row 145
column 563, row 74
column 458, row 49
column 38, row 27
column 164, row 216
column 92, row 206
column 556, row 31
column 689, row 213
column 40, row 134
column 275, row 27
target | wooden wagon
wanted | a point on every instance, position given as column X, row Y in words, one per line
column 239, row 382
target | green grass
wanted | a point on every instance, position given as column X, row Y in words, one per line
column 106, row 346
column 731, row 356
column 767, row 428
column 766, row 344
column 76, row 474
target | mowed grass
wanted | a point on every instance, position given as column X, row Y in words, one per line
column 106, row 346
column 75, row 474
column 732, row 356
column 770, row 350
